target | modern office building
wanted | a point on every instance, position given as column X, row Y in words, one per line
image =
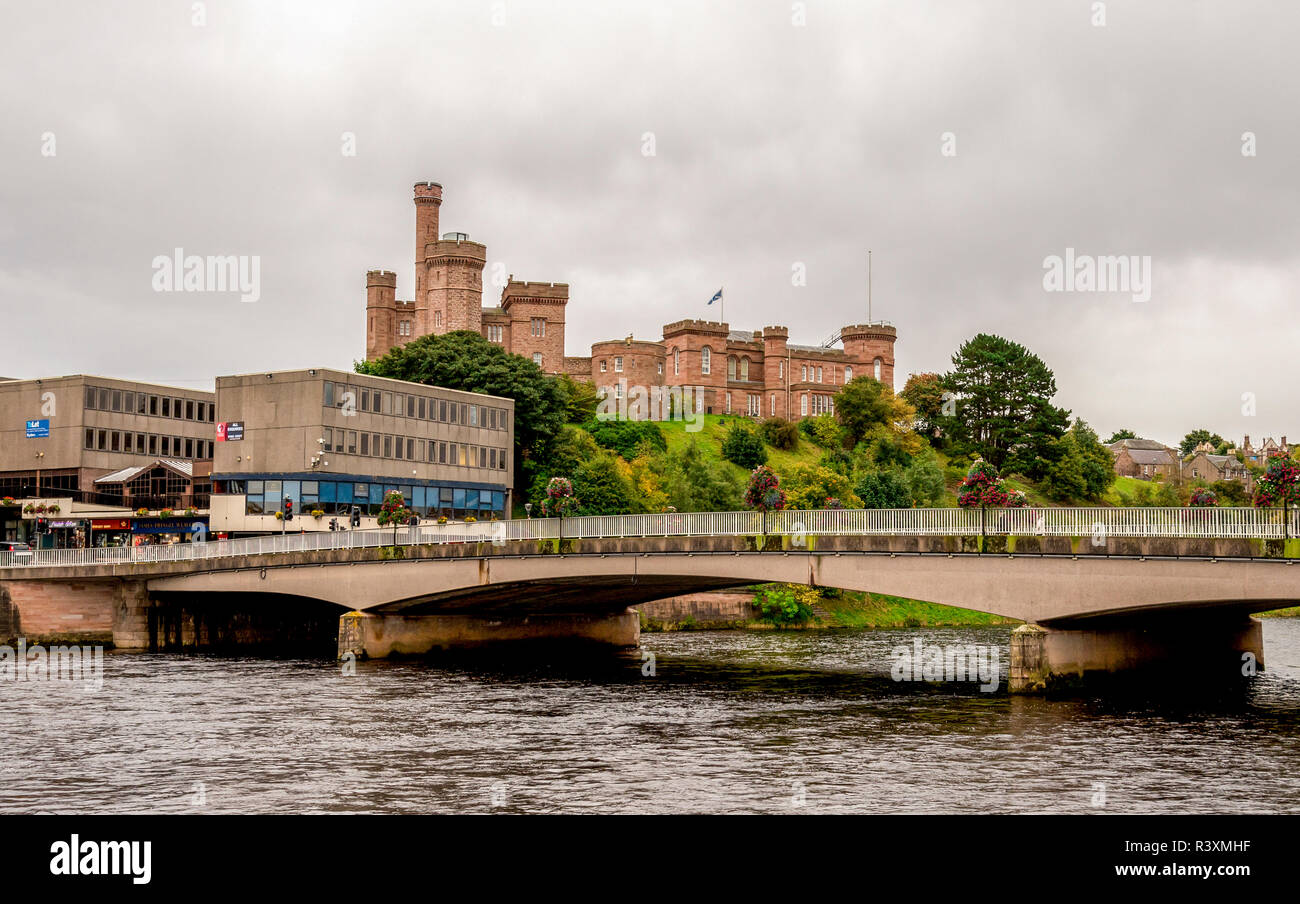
column 334, row 441
column 96, row 446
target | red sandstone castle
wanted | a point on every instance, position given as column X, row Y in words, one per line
column 758, row 372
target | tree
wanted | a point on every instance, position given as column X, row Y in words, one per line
column 924, row 479
column 824, row 430
column 809, row 487
column 883, row 489
column 925, row 393
column 1099, row 463
column 864, row 403
column 779, row 434
column 1065, row 480
column 571, row 448
column 466, row 361
column 1121, row 433
column 742, row 446
column 764, row 492
column 692, row 483
column 603, row 485
column 626, row 437
column 580, row 399
column 1004, row 411
column 1195, row 438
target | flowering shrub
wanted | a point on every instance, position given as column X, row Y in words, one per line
column 1203, row 497
column 764, row 493
column 8, row 500
column 166, row 513
column 141, row 512
column 982, row 487
column 394, row 510
column 1280, row 484
column 559, row 501
column 832, row 502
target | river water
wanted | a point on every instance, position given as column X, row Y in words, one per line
column 735, row 722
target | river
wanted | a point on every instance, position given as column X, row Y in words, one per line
column 733, row 722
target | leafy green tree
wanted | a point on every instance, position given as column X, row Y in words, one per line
column 1122, row 433
column 864, row 403
column 786, row 604
column 925, row 393
column 580, row 399
column 691, row 483
column 824, row 430
column 883, row 489
column 779, row 433
column 924, row 480
column 809, row 487
column 626, row 437
column 742, row 446
column 465, row 360
column 1230, row 492
column 1004, row 409
column 603, row 486
column 572, row 448
column 1065, row 480
column 1196, row 437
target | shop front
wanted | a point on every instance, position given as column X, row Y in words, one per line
column 168, row 531
column 106, row 532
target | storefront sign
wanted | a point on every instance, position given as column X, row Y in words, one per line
column 63, row 523
column 230, row 431
column 110, row 524
column 38, row 429
column 167, row 525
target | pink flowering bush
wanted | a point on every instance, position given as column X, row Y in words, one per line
column 560, row 501
column 983, row 488
column 764, row 493
column 1280, row 485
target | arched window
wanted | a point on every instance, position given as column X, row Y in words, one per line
column 744, row 368
column 706, row 360
column 878, row 365
column 731, row 367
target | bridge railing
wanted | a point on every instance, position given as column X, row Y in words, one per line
column 1241, row 523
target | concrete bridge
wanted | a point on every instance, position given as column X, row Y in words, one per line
column 1097, row 602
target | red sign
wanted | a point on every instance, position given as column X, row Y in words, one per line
column 110, row 524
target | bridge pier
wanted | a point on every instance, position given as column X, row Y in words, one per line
column 1165, row 650
column 369, row 636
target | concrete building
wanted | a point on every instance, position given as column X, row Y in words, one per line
column 333, row 441
column 60, row 437
column 755, row 372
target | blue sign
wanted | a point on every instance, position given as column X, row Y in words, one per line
column 37, row 429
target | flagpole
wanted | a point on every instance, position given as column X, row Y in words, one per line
column 722, row 290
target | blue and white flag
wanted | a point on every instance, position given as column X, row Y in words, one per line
column 717, row 297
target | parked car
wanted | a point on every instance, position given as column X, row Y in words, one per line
column 22, row 553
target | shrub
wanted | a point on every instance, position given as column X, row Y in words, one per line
column 624, row 437
column 779, row 433
column 786, row 604
column 883, row 489
column 742, row 446
column 824, row 430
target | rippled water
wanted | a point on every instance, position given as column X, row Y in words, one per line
column 730, row 722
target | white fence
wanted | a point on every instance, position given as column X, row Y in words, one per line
column 1237, row 523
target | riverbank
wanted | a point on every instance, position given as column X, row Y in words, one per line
column 736, row 610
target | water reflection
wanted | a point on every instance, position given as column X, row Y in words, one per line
column 729, row 722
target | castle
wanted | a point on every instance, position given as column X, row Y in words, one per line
column 758, row 372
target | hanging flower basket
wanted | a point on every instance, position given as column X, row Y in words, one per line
column 141, row 512
column 8, row 500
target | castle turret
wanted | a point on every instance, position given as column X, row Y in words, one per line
column 381, row 312
column 775, row 376
column 871, row 345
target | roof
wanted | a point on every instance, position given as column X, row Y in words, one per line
column 1132, row 444
column 741, row 336
column 1150, row 456
column 126, row 475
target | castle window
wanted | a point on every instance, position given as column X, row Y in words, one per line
column 537, row 358
column 771, row 409
column 604, row 365
column 783, row 369
column 744, row 368
column 731, row 367
column 803, row 404
column 804, row 378
column 661, row 367
column 618, row 364
column 539, row 326
column 437, row 320
column 728, row 403
column 848, row 374
column 878, row 366
column 494, row 333
column 706, row 360
column 677, row 361
column 819, row 373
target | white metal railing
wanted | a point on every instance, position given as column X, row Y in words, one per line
column 1205, row 523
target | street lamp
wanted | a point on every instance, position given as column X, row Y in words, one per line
column 528, row 509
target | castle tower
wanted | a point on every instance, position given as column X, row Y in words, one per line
column 381, row 313
column 776, row 378
column 533, row 315
column 871, row 346
column 448, row 271
column 428, row 201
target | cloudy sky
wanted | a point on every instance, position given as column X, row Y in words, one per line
column 783, row 134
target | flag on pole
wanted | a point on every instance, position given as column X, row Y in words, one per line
column 717, row 297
